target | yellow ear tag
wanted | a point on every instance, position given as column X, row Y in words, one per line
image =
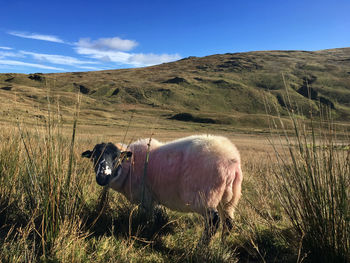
column 125, row 157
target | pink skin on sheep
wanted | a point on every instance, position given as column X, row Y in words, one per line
column 193, row 174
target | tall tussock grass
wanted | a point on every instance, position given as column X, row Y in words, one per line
column 51, row 209
column 312, row 183
column 40, row 192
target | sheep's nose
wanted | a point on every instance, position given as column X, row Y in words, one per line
column 104, row 169
column 103, row 173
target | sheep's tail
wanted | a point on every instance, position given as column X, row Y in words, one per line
column 237, row 185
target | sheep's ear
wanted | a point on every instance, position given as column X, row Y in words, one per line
column 86, row 154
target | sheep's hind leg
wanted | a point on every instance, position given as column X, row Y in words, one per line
column 226, row 214
column 227, row 208
column 226, row 228
column 212, row 221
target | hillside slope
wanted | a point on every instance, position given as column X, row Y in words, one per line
column 215, row 88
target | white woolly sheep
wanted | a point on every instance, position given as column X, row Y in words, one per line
column 199, row 174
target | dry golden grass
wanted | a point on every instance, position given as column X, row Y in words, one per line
column 52, row 210
column 108, row 239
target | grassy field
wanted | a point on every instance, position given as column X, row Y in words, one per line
column 227, row 89
column 52, row 210
column 294, row 149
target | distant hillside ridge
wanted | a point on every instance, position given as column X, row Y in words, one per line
column 203, row 87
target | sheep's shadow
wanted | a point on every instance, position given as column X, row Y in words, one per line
column 127, row 221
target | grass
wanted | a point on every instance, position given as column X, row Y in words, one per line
column 314, row 191
column 295, row 197
column 51, row 210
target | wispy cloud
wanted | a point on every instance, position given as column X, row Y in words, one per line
column 106, row 56
column 58, row 59
column 94, row 54
column 5, row 54
column 134, row 59
column 114, row 43
column 113, row 50
column 152, row 59
column 30, row 65
column 92, row 68
column 50, row 38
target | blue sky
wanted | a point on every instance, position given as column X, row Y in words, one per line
column 60, row 36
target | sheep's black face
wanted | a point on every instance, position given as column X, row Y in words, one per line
column 105, row 157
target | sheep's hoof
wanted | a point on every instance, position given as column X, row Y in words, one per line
column 212, row 221
column 160, row 216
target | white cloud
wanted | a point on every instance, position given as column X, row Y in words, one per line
column 134, row 59
column 98, row 54
column 49, row 38
column 106, row 56
column 152, row 59
column 114, row 43
column 4, row 54
column 58, row 59
column 25, row 64
column 92, row 68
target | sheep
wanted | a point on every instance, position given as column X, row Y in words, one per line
column 200, row 173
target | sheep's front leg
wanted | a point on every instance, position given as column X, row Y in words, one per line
column 160, row 216
column 212, row 221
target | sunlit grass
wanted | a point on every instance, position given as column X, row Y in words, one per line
column 51, row 209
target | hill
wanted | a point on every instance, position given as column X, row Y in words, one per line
column 224, row 89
